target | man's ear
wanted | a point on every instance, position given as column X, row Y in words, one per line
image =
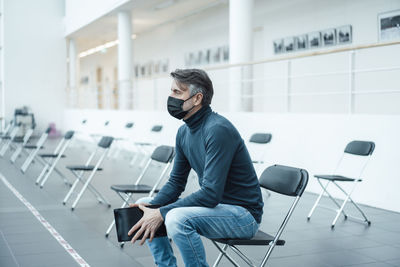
column 198, row 99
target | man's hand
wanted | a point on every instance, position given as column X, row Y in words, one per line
column 148, row 224
column 137, row 205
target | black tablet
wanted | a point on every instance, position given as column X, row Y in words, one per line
column 126, row 218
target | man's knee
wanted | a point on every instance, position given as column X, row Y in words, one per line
column 176, row 221
column 144, row 200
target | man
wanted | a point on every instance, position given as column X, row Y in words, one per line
column 229, row 203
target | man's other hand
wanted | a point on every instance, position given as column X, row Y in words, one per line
column 147, row 225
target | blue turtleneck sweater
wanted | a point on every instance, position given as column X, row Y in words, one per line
column 212, row 146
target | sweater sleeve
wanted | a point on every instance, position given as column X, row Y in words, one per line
column 220, row 150
column 171, row 191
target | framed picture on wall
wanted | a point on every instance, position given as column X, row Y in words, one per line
column 165, row 66
column 389, row 26
column 204, row 57
column 301, row 42
column 288, row 43
column 136, row 71
column 142, row 70
column 225, row 53
column 328, row 37
column 314, row 39
column 278, row 46
column 344, row 34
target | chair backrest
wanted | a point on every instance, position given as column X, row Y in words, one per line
column 48, row 130
column 106, row 123
column 360, row 148
column 261, row 138
column 156, row 128
column 284, row 180
column 68, row 135
column 163, row 154
column 105, row 141
column 129, row 125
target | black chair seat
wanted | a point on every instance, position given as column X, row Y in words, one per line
column 32, row 147
column 18, row 140
column 337, row 178
column 5, row 137
column 51, row 155
column 131, row 188
column 260, row 239
column 82, row 168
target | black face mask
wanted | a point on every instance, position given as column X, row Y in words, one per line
column 175, row 107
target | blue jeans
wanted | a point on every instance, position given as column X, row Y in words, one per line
column 185, row 225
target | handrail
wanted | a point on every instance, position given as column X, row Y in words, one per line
column 302, row 55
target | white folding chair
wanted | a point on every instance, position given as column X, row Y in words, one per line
column 284, row 180
column 79, row 171
column 257, row 144
column 354, row 148
column 144, row 148
column 19, row 145
column 9, row 139
column 51, row 160
column 34, row 150
column 163, row 155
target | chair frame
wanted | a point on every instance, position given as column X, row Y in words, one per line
column 86, row 184
column 50, row 165
column 9, row 139
column 340, row 209
column 126, row 197
column 20, row 147
column 276, row 241
column 33, row 152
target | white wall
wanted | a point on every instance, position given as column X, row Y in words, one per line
column 35, row 58
column 273, row 20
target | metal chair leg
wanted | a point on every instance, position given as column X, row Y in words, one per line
column 317, row 201
column 223, row 252
column 343, row 204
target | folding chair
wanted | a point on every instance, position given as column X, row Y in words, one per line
column 121, row 141
column 258, row 140
column 9, row 139
column 34, row 150
column 143, row 147
column 357, row 148
column 162, row 154
column 19, row 148
column 6, row 130
column 52, row 159
column 284, row 180
column 79, row 171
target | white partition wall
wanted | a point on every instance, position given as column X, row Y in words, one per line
column 35, row 66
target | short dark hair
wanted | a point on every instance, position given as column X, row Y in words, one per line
column 197, row 81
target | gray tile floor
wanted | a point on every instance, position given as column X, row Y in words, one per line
column 25, row 242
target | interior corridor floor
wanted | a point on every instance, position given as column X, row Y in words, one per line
column 24, row 240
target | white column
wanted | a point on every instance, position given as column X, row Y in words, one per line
column 2, row 88
column 240, row 50
column 72, row 64
column 125, row 60
column 73, row 74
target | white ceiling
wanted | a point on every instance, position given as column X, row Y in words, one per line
column 146, row 15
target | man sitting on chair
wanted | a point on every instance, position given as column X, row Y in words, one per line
column 229, row 203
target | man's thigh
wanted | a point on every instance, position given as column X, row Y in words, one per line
column 223, row 221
